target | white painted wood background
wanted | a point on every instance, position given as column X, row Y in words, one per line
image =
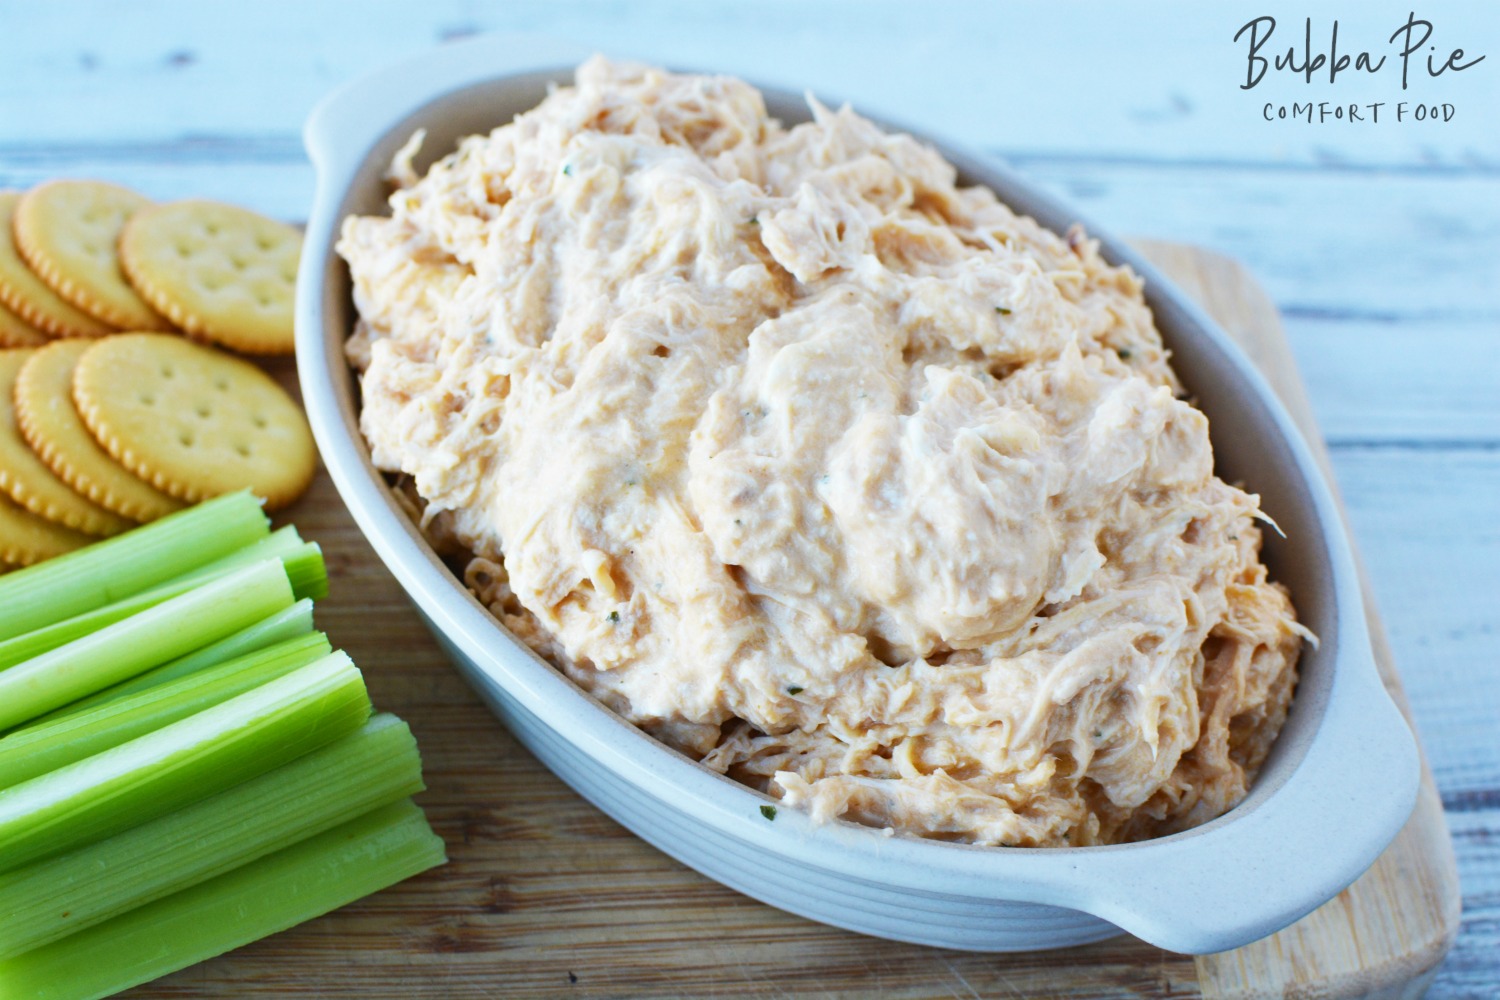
column 1380, row 243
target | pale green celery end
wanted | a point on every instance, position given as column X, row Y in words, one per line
column 136, row 560
column 42, row 902
column 44, row 747
column 308, row 572
column 287, row 623
column 181, row 763
column 134, row 645
column 304, row 568
column 279, row 544
column 304, row 563
column 281, row 890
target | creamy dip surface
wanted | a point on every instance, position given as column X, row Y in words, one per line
column 845, row 480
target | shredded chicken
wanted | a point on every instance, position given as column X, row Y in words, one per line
column 845, row 480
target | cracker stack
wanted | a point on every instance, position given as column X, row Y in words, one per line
column 100, row 432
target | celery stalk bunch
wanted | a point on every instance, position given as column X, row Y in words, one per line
column 187, row 765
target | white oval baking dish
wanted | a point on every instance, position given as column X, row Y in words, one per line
column 1337, row 787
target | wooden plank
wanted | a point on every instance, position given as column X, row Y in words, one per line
column 1470, row 970
column 1373, row 247
column 544, row 896
column 1415, row 383
column 1427, row 527
column 281, row 187
column 1092, row 78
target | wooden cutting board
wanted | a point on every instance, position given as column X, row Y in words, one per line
column 546, row 897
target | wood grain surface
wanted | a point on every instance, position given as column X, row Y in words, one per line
column 546, row 897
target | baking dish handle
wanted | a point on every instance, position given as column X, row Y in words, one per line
column 345, row 124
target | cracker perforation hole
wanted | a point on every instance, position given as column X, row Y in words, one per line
column 147, row 398
column 242, row 449
column 185, row 439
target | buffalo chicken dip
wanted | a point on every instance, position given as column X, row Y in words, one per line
column 845, row 480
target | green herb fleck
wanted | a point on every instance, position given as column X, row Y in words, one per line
column 614, row 616
column 794, row 689
column 769, row 812
column 630, row 482
column 1002, row 310
column 1123, row 352
column 1098, row 734
column 567, row 170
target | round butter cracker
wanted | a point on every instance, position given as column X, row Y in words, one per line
column 27, row 480
column 26, row 538
column 52, row 427
column 28, row 296
column 220, row 272
column 68, row 232
column 193, row 421
column 16, row 332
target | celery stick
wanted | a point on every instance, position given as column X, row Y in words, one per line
column 48, row 746
column 304, row 569
column 107, row 571
column 307, row 572
column 47, row 900
column 289, row 623
column 188, row 760
column 304, row 561
column 148, row 639
column 24, row 647
column 278, row 891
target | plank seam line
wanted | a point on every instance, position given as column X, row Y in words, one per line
column 1471, row 800
column 1299, row 311
column 1481, row 445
